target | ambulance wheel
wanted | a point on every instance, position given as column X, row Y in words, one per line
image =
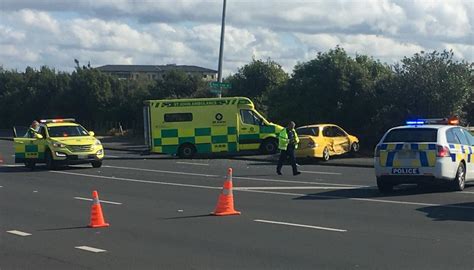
column 186, row 150
column 383, row 186
column 269, row 146
column 50, row 164
column 30, row 164
column 460, row 179
column 96, row 164
column 326, row 154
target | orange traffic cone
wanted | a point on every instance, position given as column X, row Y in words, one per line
column 225, row 204
column 97, row 218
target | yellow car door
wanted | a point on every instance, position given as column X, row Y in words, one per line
column 342, row 143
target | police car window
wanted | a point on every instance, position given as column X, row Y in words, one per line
column 412, row 135
column 469, row 136
column 451, row 138
column 67, row 131
column 178, row 117
column 248, row 117
column 462, row 138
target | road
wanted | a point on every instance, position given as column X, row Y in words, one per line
column 158, row 209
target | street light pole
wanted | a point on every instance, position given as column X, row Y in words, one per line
column 221, row 49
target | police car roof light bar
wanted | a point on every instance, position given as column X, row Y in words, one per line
column 434, row 121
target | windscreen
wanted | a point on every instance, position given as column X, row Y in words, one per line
column 412, row 135
column 67, row 131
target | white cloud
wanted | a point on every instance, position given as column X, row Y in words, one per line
column 38, row 20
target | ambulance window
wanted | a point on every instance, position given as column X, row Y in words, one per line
column 178, row 117
column 462, row 138
column 248, row 117
column 451, row 138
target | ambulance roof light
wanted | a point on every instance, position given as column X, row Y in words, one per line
column 61, row 120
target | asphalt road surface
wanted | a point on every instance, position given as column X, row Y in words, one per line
column 158, row 209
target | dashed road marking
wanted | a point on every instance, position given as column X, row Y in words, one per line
column 269, row 192
column 236, row 177
column 102, row 201
column 328, row 173
column 19, row 233
column 300, row 225
column 192, row 163
column 91, row 249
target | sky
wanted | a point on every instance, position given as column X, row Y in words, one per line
column 187, row 32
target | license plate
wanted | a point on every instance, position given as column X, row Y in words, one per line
column 405, row 171
column 82, row 156
column 406, row 155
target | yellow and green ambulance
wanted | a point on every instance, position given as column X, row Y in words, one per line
column 57, row 142
column 185, row 127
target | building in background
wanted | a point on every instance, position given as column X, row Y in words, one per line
column 153, row 72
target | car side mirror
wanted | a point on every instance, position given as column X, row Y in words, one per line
column 92, row 133
column 38, row 136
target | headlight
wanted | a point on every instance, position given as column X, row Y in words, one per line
column 97, row 142
column 57, row 144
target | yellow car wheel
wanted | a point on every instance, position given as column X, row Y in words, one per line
column 326, row 154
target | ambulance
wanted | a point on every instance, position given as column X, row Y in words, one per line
column 57, row 142
column 186, row 127
column 425, row 151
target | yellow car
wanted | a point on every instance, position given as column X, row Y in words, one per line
column 324, row 141
column 58, row 142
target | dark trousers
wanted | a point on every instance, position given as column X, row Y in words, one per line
column 289, row 153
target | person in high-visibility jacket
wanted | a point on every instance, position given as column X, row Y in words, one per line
column 287, row 143
column 33, row 130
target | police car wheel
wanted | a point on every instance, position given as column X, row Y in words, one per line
column 460, row 179
column 383, row 186
column 186, row 151
column 50, row 164
column 326, row 154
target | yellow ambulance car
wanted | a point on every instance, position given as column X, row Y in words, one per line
column 57, row 142
column 185, row 127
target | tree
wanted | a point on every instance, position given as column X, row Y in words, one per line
column 256, row 80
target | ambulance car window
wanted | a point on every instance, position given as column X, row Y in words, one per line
column 258, row 120
column 42, row 131
column 462, row 138
column 451, row 138
column 247, row 117
column 178, row 117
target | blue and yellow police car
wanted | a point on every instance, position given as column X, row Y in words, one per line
column 425, row 151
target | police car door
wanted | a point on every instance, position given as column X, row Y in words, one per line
column 461, row 150
column 470, row 154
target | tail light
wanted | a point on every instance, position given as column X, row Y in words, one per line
column 442, row 151
column 377, row 151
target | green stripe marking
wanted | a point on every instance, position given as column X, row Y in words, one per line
column 202, row 131
column 31, row 148
column 19, row 155
column 232, row 147
column 186, row 140
column 231, row 130
column 267, row 129
column 219, row 139
column 169, row 133
column 203, row 147
column 157, row 142
column 170, row 149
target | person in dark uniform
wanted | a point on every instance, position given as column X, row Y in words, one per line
column 287, row 143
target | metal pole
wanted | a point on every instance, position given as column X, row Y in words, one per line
column 221, row 49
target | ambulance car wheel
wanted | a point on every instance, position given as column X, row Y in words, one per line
column 186, row 150
column 326, row 154
column 50, row 164
column 30, row 164
column 355, row 147
column 96, row 164
column 383, row 186
column 460, row 179
column 269, row 146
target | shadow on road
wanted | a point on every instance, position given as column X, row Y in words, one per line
column 454, row 212
column 63, row 229
column 186, row 217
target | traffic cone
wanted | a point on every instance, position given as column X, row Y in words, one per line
column 97, row 218
column 225, row 204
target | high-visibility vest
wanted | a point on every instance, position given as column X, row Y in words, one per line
column 283, row 140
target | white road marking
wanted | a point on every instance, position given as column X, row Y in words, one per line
column 102, row 201
column 35, row 191
column 266, row 192
column 300, row 225
column 11, row 165
column 112, row 156
column 329, row 173
column 289, row 188
column 91, row 249
column 192, row 163
column 1, row 186
column 19, row 233
column 236, row 177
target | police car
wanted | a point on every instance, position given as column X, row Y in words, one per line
column 425, row 151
